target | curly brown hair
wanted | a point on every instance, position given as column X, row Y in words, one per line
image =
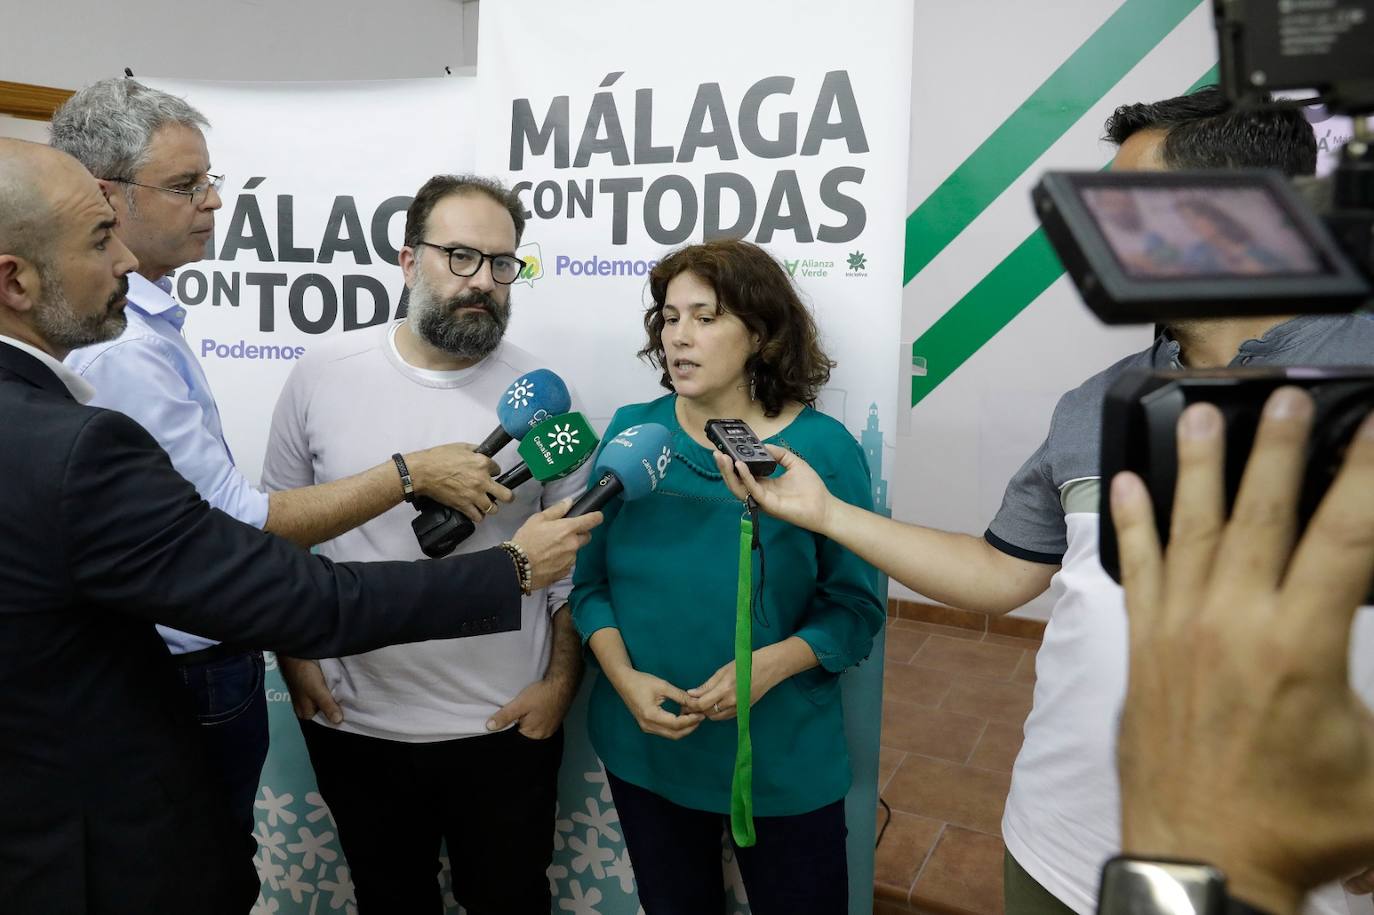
column 749, row 284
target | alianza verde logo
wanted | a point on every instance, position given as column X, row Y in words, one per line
column 808, row 267
column 857, row 261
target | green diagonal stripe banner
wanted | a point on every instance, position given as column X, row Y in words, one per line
column 1001, row 295
column 1080, row 82
column 988, row 307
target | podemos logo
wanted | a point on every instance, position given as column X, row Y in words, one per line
column 596, row 265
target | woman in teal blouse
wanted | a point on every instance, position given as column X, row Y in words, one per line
column 654, row 597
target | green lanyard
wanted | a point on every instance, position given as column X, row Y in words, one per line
column 742, row 780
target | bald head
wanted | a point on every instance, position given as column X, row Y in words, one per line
column 30, row 175
column 62, row 270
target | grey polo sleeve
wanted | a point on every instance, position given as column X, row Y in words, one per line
column 1030, row 523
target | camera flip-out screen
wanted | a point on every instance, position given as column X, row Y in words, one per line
column 1155, row 246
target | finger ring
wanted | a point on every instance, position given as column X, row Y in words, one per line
column 490, row 508
column 717, row 708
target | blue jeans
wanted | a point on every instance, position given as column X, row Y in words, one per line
column 229, row 702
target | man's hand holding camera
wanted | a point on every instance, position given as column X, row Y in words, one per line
column 1242, row 743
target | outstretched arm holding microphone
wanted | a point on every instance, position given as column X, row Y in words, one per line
column 957, row 569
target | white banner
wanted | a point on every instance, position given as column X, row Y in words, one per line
column 626, row 136
column 629, row 130
column 317, row 180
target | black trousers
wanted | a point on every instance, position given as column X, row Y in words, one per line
column 491, row 797
column 797, row 867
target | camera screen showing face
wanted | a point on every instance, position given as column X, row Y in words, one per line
column 1163, row 232
column 1149, row 247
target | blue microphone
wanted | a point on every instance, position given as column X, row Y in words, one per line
column 631, row 465
column 531, row 399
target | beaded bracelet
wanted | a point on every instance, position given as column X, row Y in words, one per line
column 523, row 569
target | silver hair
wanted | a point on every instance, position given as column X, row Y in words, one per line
column 109, row 125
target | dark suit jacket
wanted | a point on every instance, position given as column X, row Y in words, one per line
column 106, row 803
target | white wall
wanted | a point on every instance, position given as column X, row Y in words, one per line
column 975, row 430
column 70, row 43
column 23, row 129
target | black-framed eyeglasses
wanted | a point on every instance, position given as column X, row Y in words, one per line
column 465, row 261
column 197, row 192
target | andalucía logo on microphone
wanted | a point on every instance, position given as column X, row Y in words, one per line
column 520, row 393
column 564, row 438
column 664, row 459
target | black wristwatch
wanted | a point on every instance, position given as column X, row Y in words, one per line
column 1161, row 886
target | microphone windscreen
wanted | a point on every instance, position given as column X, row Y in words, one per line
column 639, row 457
column 531, row 399
column 558, row 446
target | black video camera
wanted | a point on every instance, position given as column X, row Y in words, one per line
column 1142, row 410
column 1156, row 247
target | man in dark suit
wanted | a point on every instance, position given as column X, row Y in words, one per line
column 105, row 798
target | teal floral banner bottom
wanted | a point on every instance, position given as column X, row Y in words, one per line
column 304, row 872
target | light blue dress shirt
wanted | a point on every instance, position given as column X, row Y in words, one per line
column 150, row 374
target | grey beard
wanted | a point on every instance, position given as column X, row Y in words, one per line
column 63, row 328
column 468, row 336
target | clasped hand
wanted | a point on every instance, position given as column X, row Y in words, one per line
column 644, row 695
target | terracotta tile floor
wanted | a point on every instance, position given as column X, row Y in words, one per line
column 954, row 701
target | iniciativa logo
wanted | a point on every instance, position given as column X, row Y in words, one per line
column 811, row 268
column 856, row 264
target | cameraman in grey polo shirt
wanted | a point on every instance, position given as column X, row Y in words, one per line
column 1062, row 818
